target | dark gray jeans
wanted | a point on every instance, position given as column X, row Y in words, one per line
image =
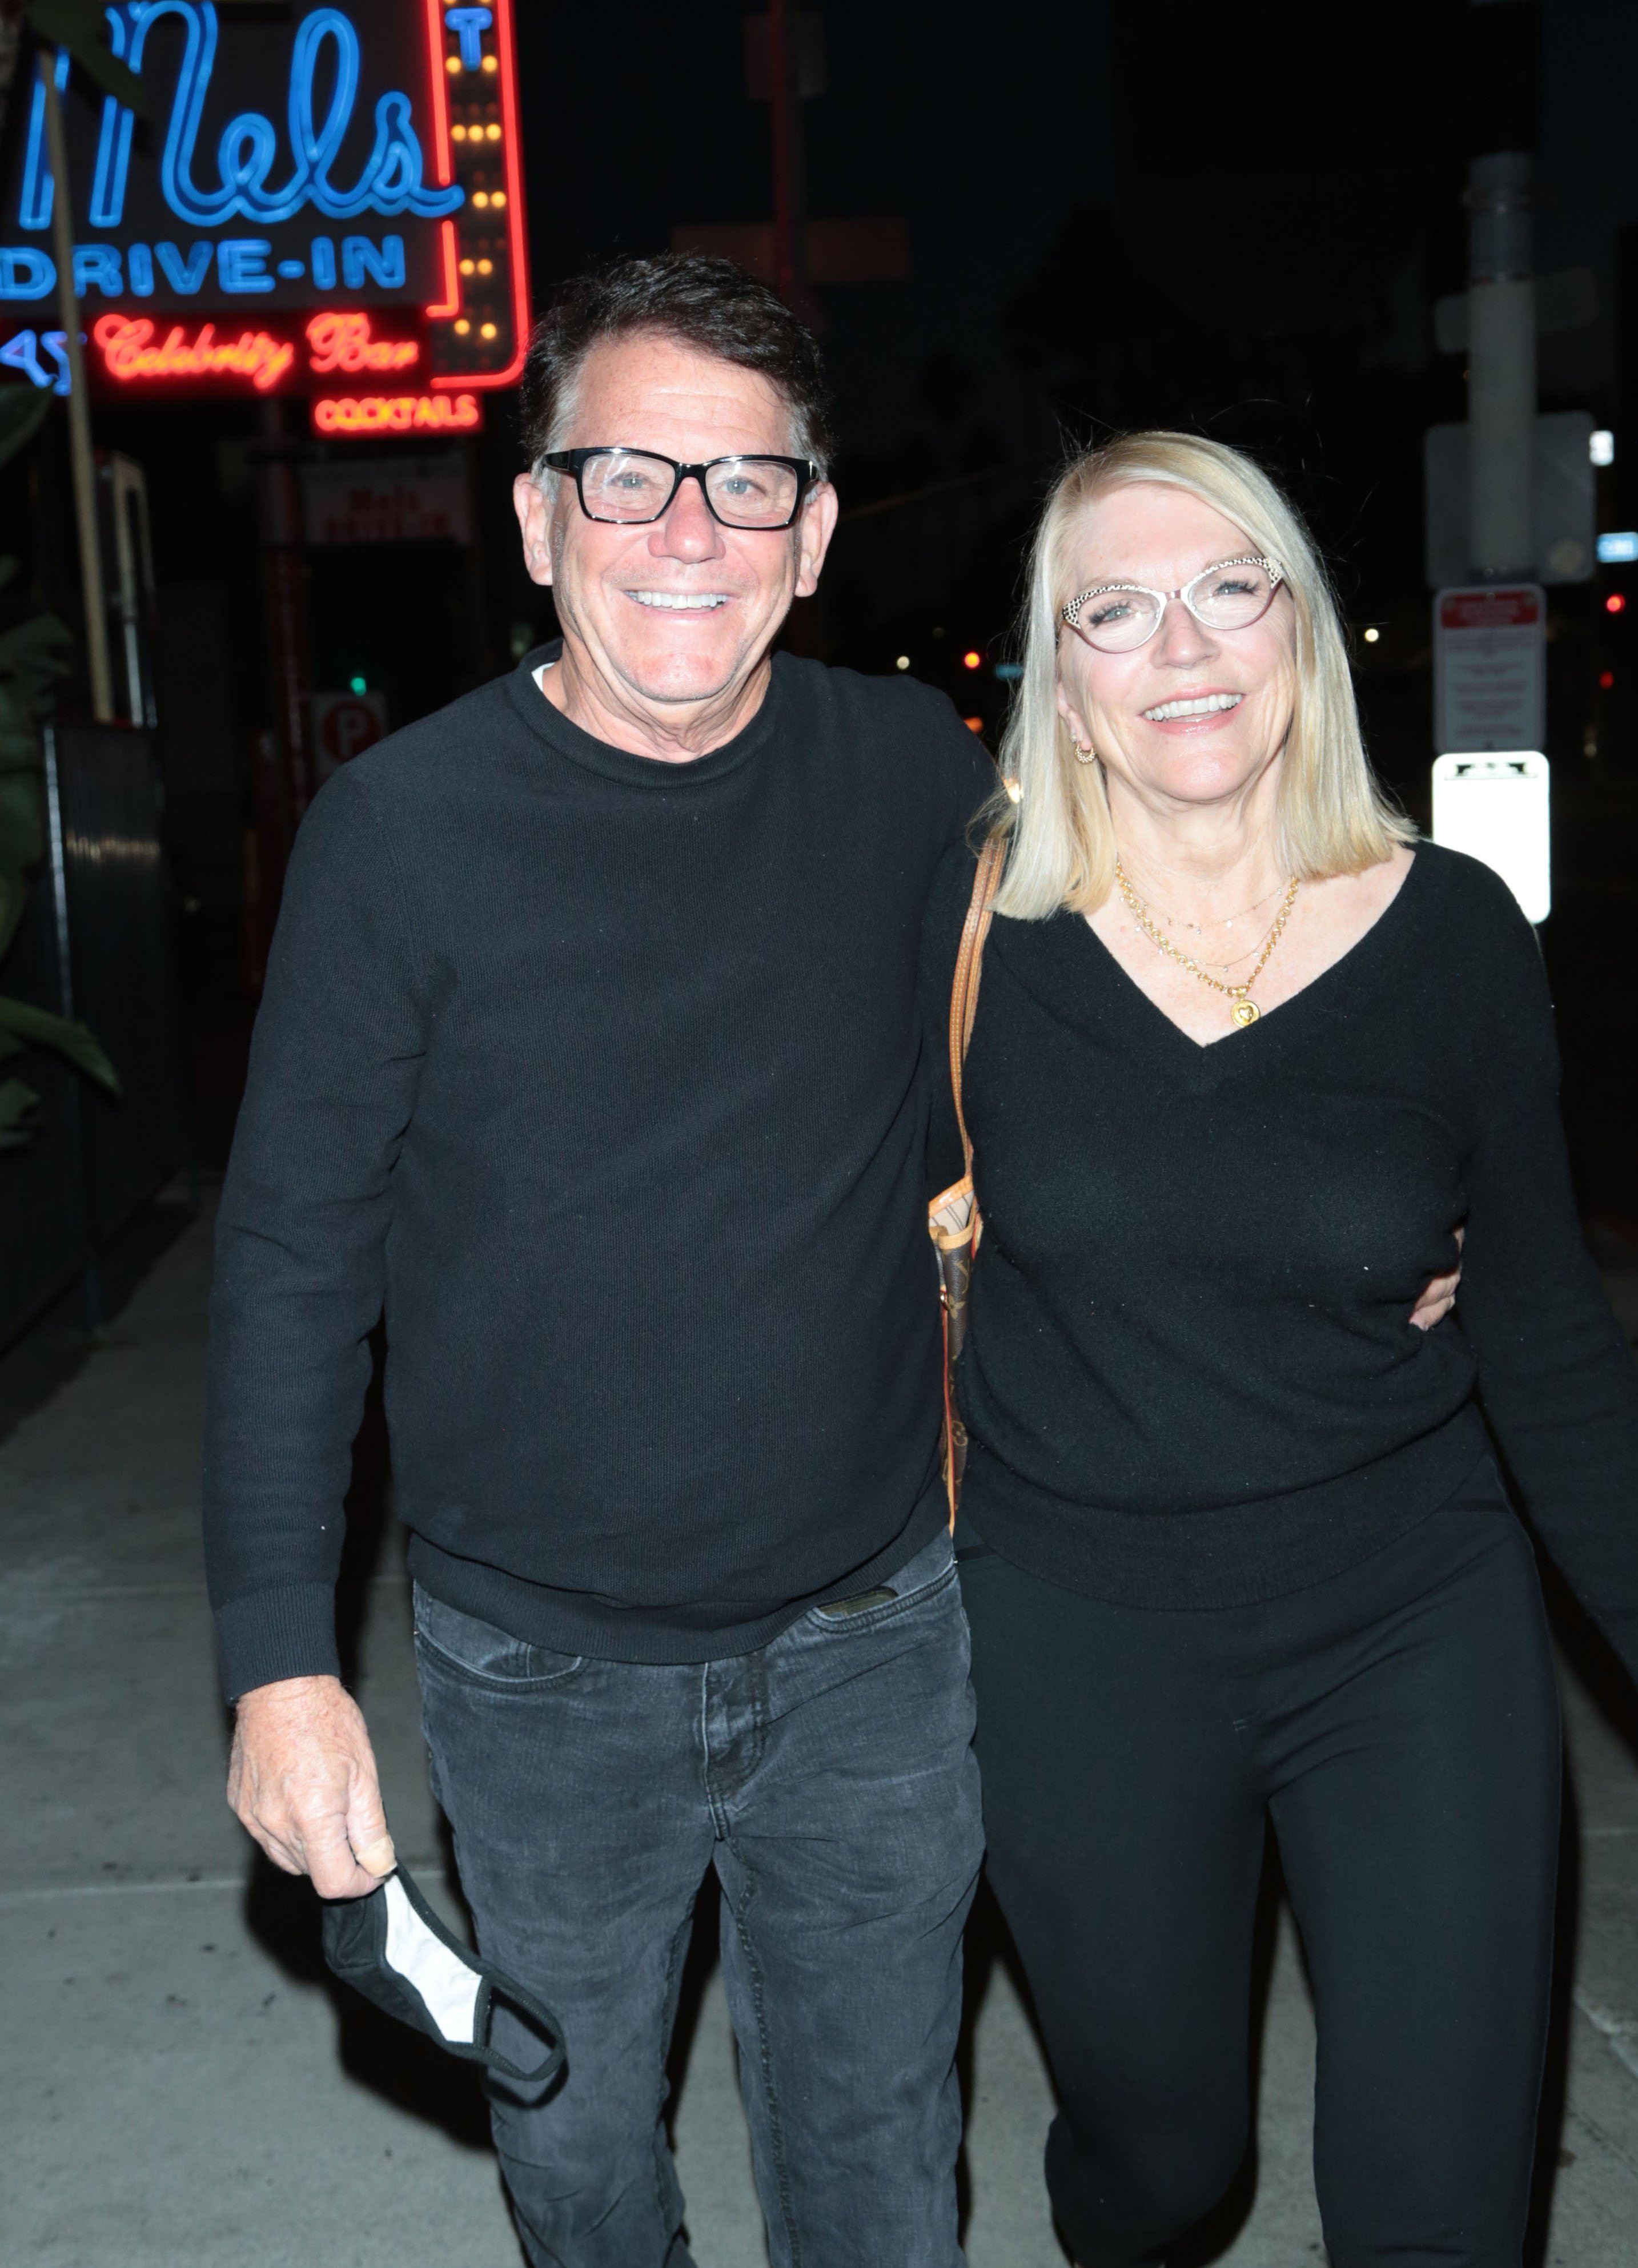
column 829, row 1780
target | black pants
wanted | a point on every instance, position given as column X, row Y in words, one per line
column 1399, row 1724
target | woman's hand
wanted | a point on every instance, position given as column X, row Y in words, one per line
column 1438, row 1297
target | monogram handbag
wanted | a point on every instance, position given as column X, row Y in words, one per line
column 953, row 1221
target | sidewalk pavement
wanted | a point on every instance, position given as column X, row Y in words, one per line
column 180, row 2084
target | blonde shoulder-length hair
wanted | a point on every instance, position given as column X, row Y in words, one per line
column 1333, row 817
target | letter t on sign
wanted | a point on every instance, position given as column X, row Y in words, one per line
column 469, row 26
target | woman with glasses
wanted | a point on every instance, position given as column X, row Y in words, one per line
column 1246, row 1060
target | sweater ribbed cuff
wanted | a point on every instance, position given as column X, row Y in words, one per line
column 270, row 1635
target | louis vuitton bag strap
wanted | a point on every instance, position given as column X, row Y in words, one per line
column 968, row 968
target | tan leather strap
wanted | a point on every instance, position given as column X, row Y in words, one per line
column 968, row 968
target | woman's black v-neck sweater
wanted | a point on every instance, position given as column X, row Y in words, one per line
column 1190, row 1378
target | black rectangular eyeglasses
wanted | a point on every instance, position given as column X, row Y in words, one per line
column 632, row 486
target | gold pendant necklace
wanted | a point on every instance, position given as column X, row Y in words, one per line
column 1244, row 1010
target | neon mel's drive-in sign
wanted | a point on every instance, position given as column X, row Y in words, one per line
column 297, row 166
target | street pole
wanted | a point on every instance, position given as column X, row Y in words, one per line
column 279, row 525
column 1501, row 291
column 788, row 32
column 784, row 120
column 83, row 466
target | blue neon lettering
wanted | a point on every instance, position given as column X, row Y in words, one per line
column 18, row 353
column 290, row 269
column 107, row 207
column 139, row 267
column 390, row 182
column 97, row 264
column 239, row 263
column 470, row 25
column 184, row 275
column 316, row 151
column 324, row 264
column 26, row 274
column 364, row 262
column 34, row 206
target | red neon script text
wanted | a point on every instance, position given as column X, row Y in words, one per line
column 343, row 342
column 128, row 353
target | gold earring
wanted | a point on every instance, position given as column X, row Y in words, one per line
column 1085, row 753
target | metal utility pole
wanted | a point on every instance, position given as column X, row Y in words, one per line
column 784, row 114
column 279, row 526
column 795, row 71
column 1501, row 291
column 84, row 471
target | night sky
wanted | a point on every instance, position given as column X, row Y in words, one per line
column 1283, row 128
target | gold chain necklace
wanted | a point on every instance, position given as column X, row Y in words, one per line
column 1245, row 1010
column 1223, row 921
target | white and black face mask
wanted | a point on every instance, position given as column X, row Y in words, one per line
column 392, row 1947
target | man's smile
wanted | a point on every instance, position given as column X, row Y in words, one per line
column 681, row 601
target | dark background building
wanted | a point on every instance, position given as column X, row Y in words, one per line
column 1062, row 223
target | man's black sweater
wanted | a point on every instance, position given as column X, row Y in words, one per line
column 1191, row 1378
column 601, row 1077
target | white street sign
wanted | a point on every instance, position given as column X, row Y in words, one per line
column 1495, row 808
column 1490, row 667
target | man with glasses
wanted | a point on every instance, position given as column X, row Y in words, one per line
column 589, row 1056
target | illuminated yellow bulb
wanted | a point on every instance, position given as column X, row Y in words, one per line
column 484, row 268
column 490, row 65
column 486, row 330
column 457, row 133
column 480, row 198
column 461, row 326
column 452, row 64
column 468, row 267
column 492, row 133
column 498, row 199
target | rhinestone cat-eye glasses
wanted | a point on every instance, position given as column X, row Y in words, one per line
column 1119, row 617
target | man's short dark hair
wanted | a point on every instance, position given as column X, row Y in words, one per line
column 711, row 305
